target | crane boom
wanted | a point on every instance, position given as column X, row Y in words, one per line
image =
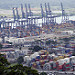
column 49, row 9
column 30, row 13
column 18, row 17
column 26, row 11
column 42, row 12
column 14, row 13
column 46, row 9
column 23, row 15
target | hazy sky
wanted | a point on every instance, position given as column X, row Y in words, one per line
column 35, row 3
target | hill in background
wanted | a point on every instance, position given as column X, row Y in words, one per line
column 8, row 4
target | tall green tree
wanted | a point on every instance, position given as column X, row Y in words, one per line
column 51, row 42
column 3, row 65
column 73, row 54
column 1, row 46
column 66, row 40
column 43, row 73
column 18, row 69
column 20, row 60
column 23, row 70
column 3, row 60
column 36, row 48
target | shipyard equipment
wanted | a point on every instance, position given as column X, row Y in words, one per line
column 30, row 13
column 49, row 10
column 28, row 25
column 65, row 17
column 42, row 12
column 23, row 14
column 14, row 14
column 63, row 13
column 18, row 17
column 46, row 10
column 26, row 11
column 43, row 15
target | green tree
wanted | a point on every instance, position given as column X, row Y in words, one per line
column 43, row 73
column 23, row 70
column 66, row 40
column 3, row 61
column 20, row 60
column 31, row 72
column 16, row 72
column 36, row 48
column 48, row 42
column 30, row 48
column 3, row 70
column 18, row 69
column 20, row 48
column 51, row 42
column 73, row 54
column 1, row 46
column 3, row 65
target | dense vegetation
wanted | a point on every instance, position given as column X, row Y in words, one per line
column 20, row 60
column 35, row 48
column 43, row 73
column 19, row 69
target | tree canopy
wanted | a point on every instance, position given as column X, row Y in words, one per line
column 36, row 48
column 73, row 54
column 3, row 61
column 20, row 60
column 43, row 73
column 17, row 69
column 0, row 46
column 51, row 42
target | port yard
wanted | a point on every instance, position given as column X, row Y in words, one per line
column 28, row 25
column 22, row 33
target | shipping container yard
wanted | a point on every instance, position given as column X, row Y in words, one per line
column 46, row 46
column 27, row 24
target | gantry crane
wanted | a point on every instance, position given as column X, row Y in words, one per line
column 23, row 14
column 49, row 10
column 26, row 11
column 63, row 14
column 18, row 17
column 30, row 13
column 14, row 15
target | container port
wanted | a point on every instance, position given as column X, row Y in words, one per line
column 28, row 25
column 21, row 34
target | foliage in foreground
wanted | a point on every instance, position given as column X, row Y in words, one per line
column 18, row 69
column 43, row 73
